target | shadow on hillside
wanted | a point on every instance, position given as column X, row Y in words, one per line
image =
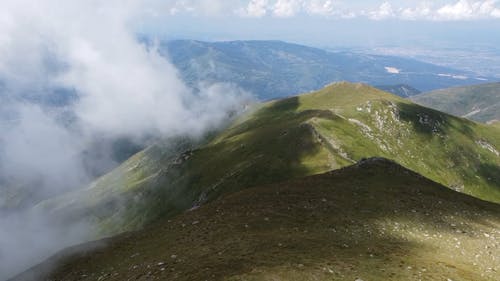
column 458, row 135
column 339, row 221
column 267, row 148
column 353, row 221
column 491, row 173
column 170, row 178
column 428, row 121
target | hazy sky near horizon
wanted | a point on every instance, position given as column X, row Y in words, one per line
column 330, row 22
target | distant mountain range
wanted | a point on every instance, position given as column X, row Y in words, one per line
column 477, row 102
column 272, row 69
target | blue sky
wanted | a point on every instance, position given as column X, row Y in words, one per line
column 330, row 22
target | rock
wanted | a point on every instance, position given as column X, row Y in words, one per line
column 134, row 255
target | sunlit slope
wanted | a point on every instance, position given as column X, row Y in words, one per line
column 292, row 138
column 495, row 124
column 375, row 221
column 478, row 102
column 458, row 153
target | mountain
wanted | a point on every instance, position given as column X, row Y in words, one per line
column 374, row 220
column 273, row 69
column 477, row 102
column 283, row 139
column 401, row 90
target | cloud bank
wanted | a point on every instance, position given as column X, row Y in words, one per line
column 453, row 10
column 72, row 74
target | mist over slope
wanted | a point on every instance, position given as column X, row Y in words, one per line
column 372, row 221
column 272, row 69
column 477, row 102
column 74, row 80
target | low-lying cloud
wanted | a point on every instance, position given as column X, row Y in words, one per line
column 73, row 73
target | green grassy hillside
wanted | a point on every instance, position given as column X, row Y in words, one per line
column 291, row 138
column 479, row 102
column 374, row 221
column 401, row 90
column 495, row 123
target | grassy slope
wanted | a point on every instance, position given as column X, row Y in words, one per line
column 374, row 221
column 466, row 101
column 494, row 123
column 401, row 90
column 292, row 138
column 449, row 150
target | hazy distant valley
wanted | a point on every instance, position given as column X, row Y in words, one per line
column 272, row 69
column 480, row 59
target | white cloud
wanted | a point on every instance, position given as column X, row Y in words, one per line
column 318, row 7
column 255, row 9
column 423, row 10
column 286, row 8
column 198, row 7
column 466, row 10
column 427, row 10
column 124, row 88
column 460, row 10
column 385, row 11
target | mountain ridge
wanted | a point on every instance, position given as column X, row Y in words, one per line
column 371, row 220
column 294, row 137
column 479, row 102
